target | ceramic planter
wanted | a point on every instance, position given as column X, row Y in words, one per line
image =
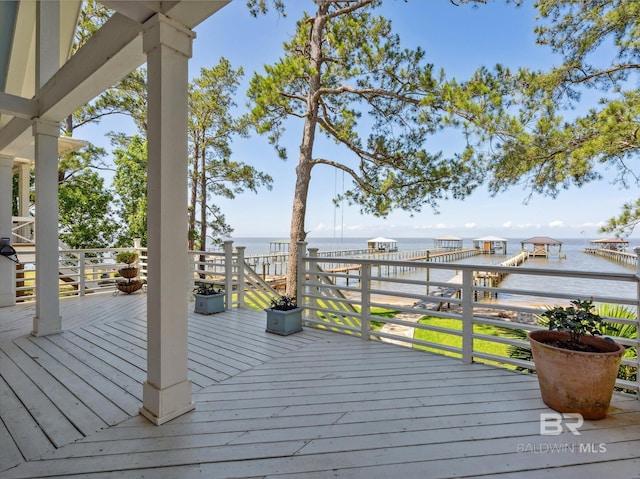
column 209, row 303
column 576, row 381
column 284, row 323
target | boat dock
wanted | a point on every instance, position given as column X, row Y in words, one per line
column 492, row 280
column 621, row 257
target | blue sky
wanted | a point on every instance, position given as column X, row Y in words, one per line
column 458, row 39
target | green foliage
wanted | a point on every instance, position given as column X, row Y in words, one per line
column 127, row 97
column 616, row 311
column 343, row 64
column 130, row 185
column 206, row 289
column 283, row 303
column 85, row 211
column 126, row 257
column 345, row 76
column 626, row 222
column 523, row 135
column 211, row 129
column 577, row 320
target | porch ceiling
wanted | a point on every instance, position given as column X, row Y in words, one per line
column 113, row 52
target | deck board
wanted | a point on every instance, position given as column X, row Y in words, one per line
column 314, row 405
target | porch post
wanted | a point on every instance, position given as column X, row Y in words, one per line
column 7, row 267
column 167, row 390
column 46, row 132
column 47, row 319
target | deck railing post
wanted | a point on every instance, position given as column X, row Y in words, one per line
column 467, row 315
column 314, row 280
column 301, row 279
column 191, row 281
column 240, row 273
column 81, row 272
column 365, row 302
column 228, row 273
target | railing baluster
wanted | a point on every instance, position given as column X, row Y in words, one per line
column 240, row 272
column 365, row 291
column 467, row 316
column 81, row 273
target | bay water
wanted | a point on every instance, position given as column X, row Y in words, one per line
column 571, row 256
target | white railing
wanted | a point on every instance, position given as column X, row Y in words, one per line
column 621, row 257
column 23, row 229
column 466, row 320
column 426, row 305
column 87, row 271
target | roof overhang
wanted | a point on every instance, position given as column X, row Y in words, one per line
column 113, row 52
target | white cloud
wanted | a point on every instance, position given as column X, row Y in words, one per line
column 323, row 227
column 556, row 224
column 507, row 224
column 599, row 224
column 442, row 226
column 470, row 225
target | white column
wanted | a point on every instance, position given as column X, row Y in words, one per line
column 7, row 267
column 167, row 391
column 47, row 319
column 47, row 40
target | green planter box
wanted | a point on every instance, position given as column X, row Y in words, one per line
column 284, row 323
column 209, row 303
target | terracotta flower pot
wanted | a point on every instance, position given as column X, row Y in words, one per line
column 576, row 381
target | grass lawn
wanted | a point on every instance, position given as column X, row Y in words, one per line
column 481, row 345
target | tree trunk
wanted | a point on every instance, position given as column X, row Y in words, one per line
column 203, row 208
column 305, row 164
column 194, row 194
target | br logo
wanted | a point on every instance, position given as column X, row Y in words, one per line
column 554, row 423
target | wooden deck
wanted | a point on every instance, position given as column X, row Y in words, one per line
column 312, row 405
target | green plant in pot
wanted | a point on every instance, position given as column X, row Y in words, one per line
column 284, row 316
column 576, row 367
column 126, row 257
column 209, row 299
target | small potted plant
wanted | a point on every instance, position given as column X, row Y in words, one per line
column 209, row 299
column 284, row 316
column 129, row 272
column 127, row 258
column 576, row 369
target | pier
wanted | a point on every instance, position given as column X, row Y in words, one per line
column 621, row 257
column 493, row 279
column 273, row 266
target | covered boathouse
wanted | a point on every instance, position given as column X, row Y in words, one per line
column 491, row 245
column 543, row 247
column 612, row 244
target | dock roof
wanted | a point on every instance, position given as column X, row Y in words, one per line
column 381, row 239
column 490, row 238
column 610, row 240
column 541, row 240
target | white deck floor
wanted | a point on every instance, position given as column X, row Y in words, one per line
column 311, row 405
